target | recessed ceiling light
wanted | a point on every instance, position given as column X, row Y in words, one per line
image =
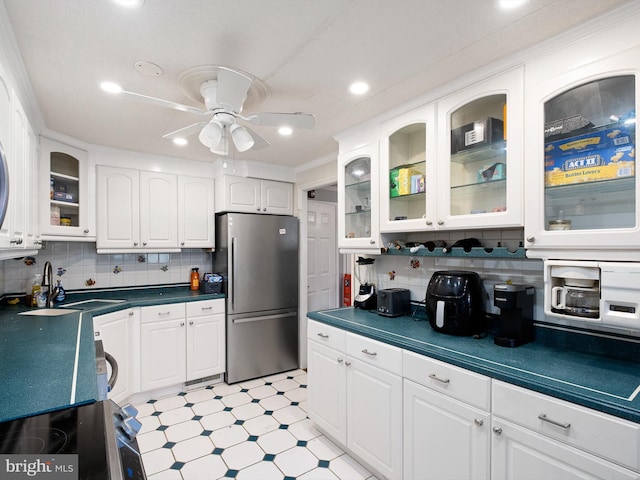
column 285, row 131
column 111, row 87
column 129, row 3
column 180, row 141
column 359, row 88
column 510, row 4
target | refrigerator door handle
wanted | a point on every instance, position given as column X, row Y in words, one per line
column 233, row 272
column 265, row 317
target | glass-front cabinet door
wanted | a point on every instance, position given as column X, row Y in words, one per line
column 407, row 163
column 358, row 199
column 584, row 162
column 480, row 155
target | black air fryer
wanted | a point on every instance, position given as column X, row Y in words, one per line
column 455, row 302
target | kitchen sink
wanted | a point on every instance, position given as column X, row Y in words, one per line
column 49, row 312
column 94, row 301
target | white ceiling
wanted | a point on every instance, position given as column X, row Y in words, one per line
column 306, row 52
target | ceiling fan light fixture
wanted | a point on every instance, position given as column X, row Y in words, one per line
column 242, row 139
column 210, row 135
column 222, row 147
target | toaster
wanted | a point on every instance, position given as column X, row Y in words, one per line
column 393, row 302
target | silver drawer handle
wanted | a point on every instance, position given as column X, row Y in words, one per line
column 323, row 335
column 433, row 376
column 207, row 308
column 164, row 313
column 544, row 418
column 373, row 354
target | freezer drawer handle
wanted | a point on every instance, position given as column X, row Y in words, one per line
column 323, row 335
column 264, row 317
column 433, row 376
column 365, row 351
column 544, row 418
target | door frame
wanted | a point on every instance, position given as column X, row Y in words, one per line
column 302, row 190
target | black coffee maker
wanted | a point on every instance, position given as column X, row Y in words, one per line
column 515, row 325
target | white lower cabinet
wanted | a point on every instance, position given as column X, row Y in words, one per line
column 356, row 395
column 444, row 437
column 181, row 342
column 118, row 332
column 537, row 436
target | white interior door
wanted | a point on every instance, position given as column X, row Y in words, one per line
column 322, row 275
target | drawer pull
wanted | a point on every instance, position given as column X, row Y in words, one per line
column 348, row 364
column 497, row 430
column 164, row 313
column 323, row 335
column 131, row 314
column 373, row 354
column 207, row 308
column 340, row 360
column 433, row 376
column 544, row 418
column 478, row 421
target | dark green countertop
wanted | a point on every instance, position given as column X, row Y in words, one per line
column 603, row 383
column 48, row 363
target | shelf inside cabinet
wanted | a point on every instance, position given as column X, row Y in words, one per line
column 409, row 197
column 620, row 186
column 481, row 154
column 488, row 184
column 474, row 252
column 65, row 177
column 65, row 204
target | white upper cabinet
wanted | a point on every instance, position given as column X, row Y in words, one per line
column 253, row 195
column 66, row 192
column 158, row 210
column 407, row 166
column 358, row 200
column 196, row 218
column 480, row 155
column 582, row 189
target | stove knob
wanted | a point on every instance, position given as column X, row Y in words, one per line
column 131, row 426
column 128, row 411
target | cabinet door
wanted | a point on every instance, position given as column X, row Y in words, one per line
column 520, row 454
column 118, row 207
column 163, row 354
column 158, row 210
column 205, row 346
column 66, row 188
column 116, row 330
column 237, row 194
column 443, row 438
column 276, row 197
column 407, row 166
column 374, row 417
column 32, row 234
column 19, row 183
column 358, row 199
column 480, row 136
column 5, row 144
column 327, row 390
column 196, row 219
column 582, row 188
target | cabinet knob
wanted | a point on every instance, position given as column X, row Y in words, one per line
column 258, row 209
column 131, row 314
column 135, row 244
column 531, row 239
column 264, row 209
column 429, row 222
column 340, row 360
column 478, row 421
column 144, row 243
column 347, row 364
column 182, row 244
column 440, row 222
column 191, row 322
column 497, row 430
column 182, row 324
column 86, row 230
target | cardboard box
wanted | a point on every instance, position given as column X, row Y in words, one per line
column 479, row 133
column 601, row 155
column 404, row 180
column 417, row 183
column 393, row 183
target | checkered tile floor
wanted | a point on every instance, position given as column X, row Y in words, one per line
column 251, row 430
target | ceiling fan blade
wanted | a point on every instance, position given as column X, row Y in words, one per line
column 232, row 89
column 185, row 131
column 293, row 120
column 162, row 103
column 258, row 140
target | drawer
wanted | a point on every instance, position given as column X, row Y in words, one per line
column 327, row 335
column 158, row 313
column 601, row 434
column 375, row 353
column 205, row 307
column 461, row 384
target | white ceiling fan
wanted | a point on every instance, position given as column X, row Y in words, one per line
column 223, row 91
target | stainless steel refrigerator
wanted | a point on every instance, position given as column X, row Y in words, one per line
column 257, row 256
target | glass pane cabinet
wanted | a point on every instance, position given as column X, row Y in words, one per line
column 358, row 199
column 407, row 158
column 480, row 155
column 582, row 193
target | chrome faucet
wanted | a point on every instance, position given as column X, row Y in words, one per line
column 47, row 280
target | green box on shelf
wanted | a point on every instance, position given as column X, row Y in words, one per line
column 394, row 183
